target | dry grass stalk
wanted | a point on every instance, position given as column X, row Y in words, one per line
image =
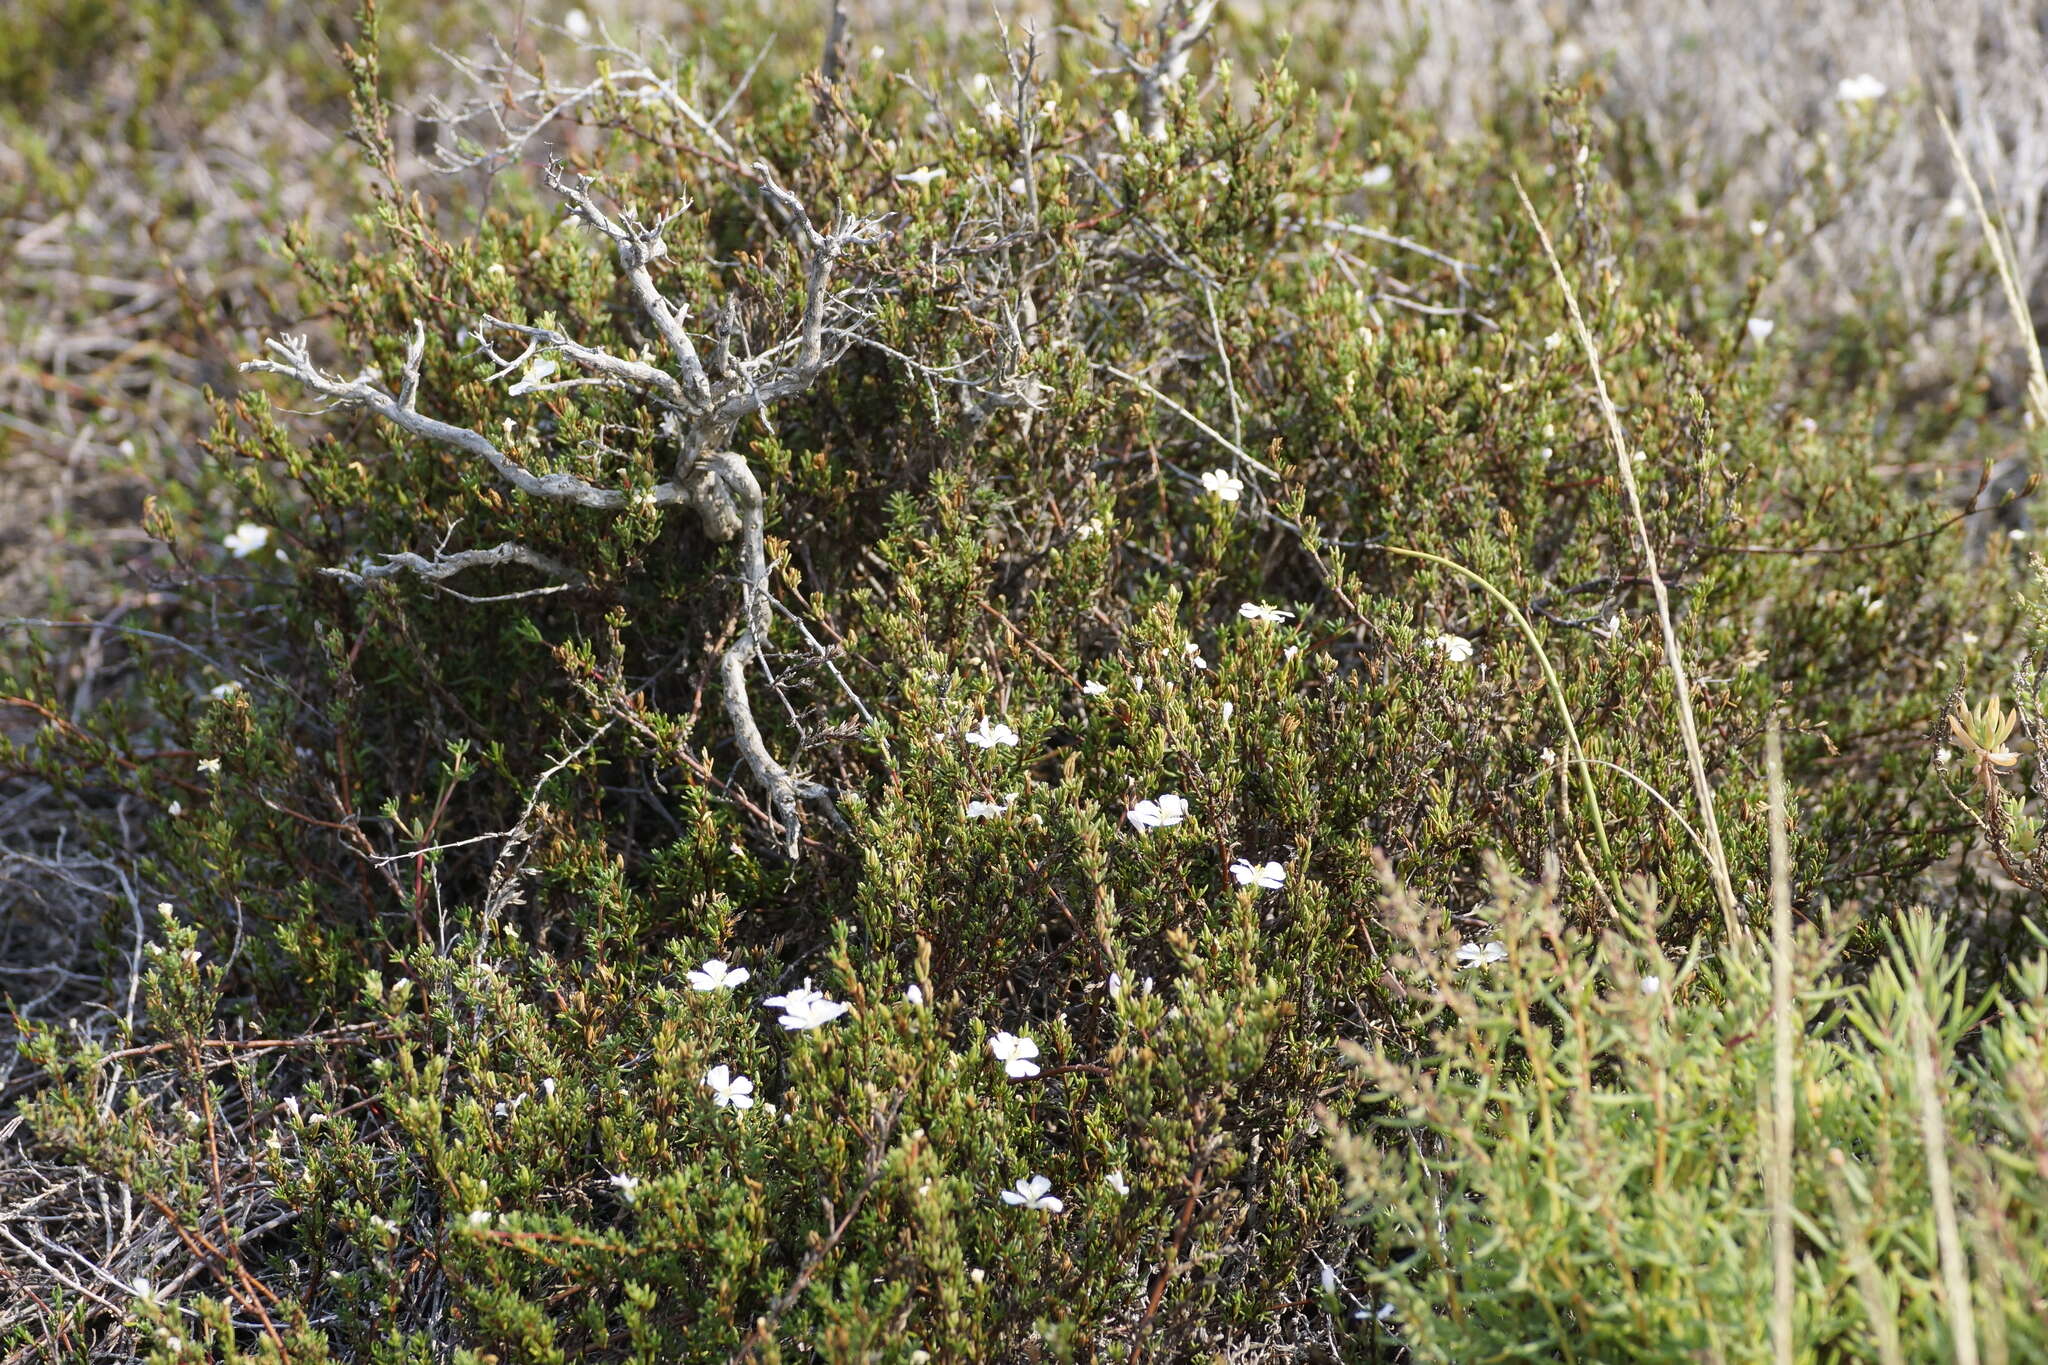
column 1710, row 825
column 1783, row 1042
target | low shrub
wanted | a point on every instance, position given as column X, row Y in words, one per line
column 1048, row 634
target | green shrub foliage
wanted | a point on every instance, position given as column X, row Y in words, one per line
column 426, row 1052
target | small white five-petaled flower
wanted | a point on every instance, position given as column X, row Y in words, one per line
column 805, row 1008
column 1034, row 1192
column 1094, row 689
column 727, row 1090
column 1456, row 648
column 1651, row 985
column 628, row 1187
column 209, row 765
column 1259, row 611
column 223, row 691
column 922, row 176
column 1859, row 89
column 1221, row 483
column 717, row 975
column 1115, row 1180
column 246, row 539
column 1265, row 876
column 1169, row 808
column 1015, row 1052
column 988, row 735
column 1481, row 954
column 988, row 810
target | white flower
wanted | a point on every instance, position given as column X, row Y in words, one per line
column 1094, row 689
column 1115, row 1180
column 1481, row 954
column 246, row 539
column 1115, row 985
column 1123, row 125
column 1758, row 227
column 481, row 1217
column 1376, row 177
column 994, row 112
column 1088, row 529
column 987, row 736
column 1553, row 341
column 1456, row 648
column 1547, row 757
column 717, row 975
column 1651, row 985
column 922, row 176
column 209, row 765
column 805, row 1008
column 626, row 1185
column 1859, row 89
column 577, row 23
column 1163, row 811
column 1265, row 876
column 536, row 374
column 989, row 810
column 914, row 993
column 1760, row 329
column 727, row 1090
column 1944, row 756
column 1259, row 611
column 1034, row 1193
column 1015, row 1053
column 1194, row 654
column 175, row 809
column 1221, row 483
column 146, row 1291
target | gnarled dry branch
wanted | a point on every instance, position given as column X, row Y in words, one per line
column 701, row 407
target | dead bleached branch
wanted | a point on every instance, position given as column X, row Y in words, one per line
column 1180, row 25
column 700, row 405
